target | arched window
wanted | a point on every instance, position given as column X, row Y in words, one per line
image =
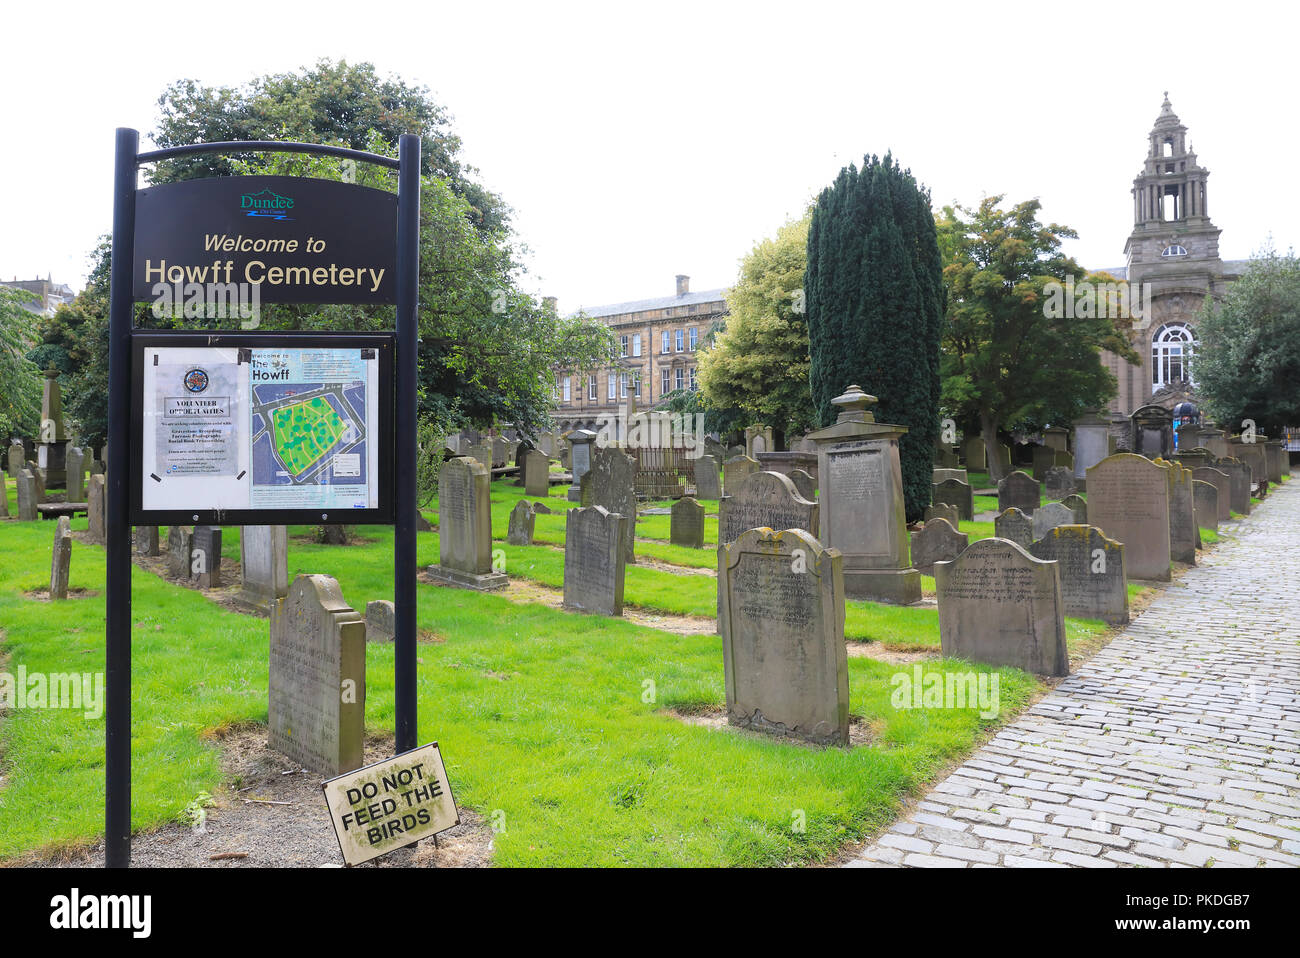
column 1174, row 250
column 1171, row 352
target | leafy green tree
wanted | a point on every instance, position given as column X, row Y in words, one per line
column 1008, row 359
column 875, row 304
column 20, row 379
column 1247, row 362
column 759, row 362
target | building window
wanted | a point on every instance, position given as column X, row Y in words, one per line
column 1171, row 354
column 694, row 337
column 622, row 381
column 663, row 342
column 636, row 345
column 677, row 341
column 612, row 386
column 694, row 387
column 665, row 374
column 623, row 346
column 1174, row 251
column 564, row 385
column 636, row 384
column 681, row 377
column 591, row 387
column 557, row 387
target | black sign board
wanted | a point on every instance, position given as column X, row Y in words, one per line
column 299, row 240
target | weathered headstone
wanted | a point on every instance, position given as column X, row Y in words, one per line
column 1060, row 482
column 4, row 496
column 708, row 481
column 937, row 541
column 1184, row 534
column 1238, row 484
column 735, row 469
column 764, row 499
column 465, row 527
column 1206, row 499
column 686, row 525
column 1004, row 456
column 861, row 510
column 482, row 451
column 263, row 567
column 1048, row 517
column 943, row 511
column 522, row 519
column 537, row 475
column 974, row 452
column 1078, row 508
column 521, row 460
column 613, row 486
column 594, row 560
column 581, row 441
column 954, row 492
column 1151, row 431
column 96, row 500
column 782, row 625
column 75, row 462
column 27, row 498
column 179, row 544
column 317, row 687
column 1091, row 569
column 146, row 541
column 940, row 474
column 1090, row 444
column 1018, row 490
column 1128, row 499
column 1222, row 482
column 60, row 563
column 584, row 490
column 805, row 483
column 17, row 461
column 39, row 475
column 1015, row 526
column 381, row 620
column 1044, row 459
column 1000, row 606
column 205, row 557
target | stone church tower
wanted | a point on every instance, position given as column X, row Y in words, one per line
column 1173, row 252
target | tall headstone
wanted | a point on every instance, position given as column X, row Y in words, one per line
column 1222, row 482
column 974, row 452
column 96, row 501
column 1018, row 490
column 522, row 450
column 17, row 461
column 1059, row 482
column 465, row 527
column 1238, row 484
column 264, row 566
column 146, row 541
column 1015, row 526
column 205, row 557
column 75, row 463
column 522, row 520
column 1206, row 499
column 1048, row 517
column 1184, row 533
column 1078, row 508
column 1004, row 456
column 1128, row 499
column 708, row 482
column 1151, row 432
column 381, row 620
column 782, row 625
column 1044, row 459
column 613, row 486
column 26, row 496
column 581, row 441
column 861, row 506
column 805, row 483
column 482, row 451
column 39, row 475
column 180, row 542
column 317, row 687
column 937, row 541
column 60, row 563
column 1091, row 569
column 537, row 477
column 954, row 492
column 595, row 560
column 735, row 469
column 51, row 451
column 686, row 523
column 1090, row 443
column 1000, row 606
column 764, row 499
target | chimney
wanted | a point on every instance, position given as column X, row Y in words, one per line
column 551, row 303
column 683, row 284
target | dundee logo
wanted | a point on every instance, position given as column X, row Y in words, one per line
column 196, row 380
column 266, row 204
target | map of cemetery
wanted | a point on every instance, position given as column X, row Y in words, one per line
column 309, row 433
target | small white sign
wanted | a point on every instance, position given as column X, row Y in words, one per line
column 347, row 464
column 391, row 804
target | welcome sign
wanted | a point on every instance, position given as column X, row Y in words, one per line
column 297, row 239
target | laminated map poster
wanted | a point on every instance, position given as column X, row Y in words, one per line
column 239, row 428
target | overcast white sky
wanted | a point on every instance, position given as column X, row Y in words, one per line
column 640, row 141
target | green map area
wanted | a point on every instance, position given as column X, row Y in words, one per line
column 304, row 432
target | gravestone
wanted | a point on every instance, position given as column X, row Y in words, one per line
column 613, row 486
column 381, row 620
column 317, row 687
column 264, row 566
column 764, row 499
column 861, row 509
column 946, row 458
column 1184, row 533
column 17, row 461
column 542, row 509
column 179, row 544
column 1000, row 606
column 1060, row 482
column 734, row 470
column 96, row 500
column 422, row 524
column 1078, row 508
column 4, row 496
column 943, row 511
column 939, row 475
column 1222, row 483
column 595, row 560
column 1151, row 432
column 482, row 452
column 974, row 453
column 39, row 475
column 805, row 483
column 60, row 563
column 1128, row 499
column 1091, row 570
column 581, row 441
column 51, row 450
column 787, row 462
column 1020, row 491
column 1004, row 456
column 1044, row 459
column 1238, row 484
column 27, row 496
column 1063, row 460
column 521, row 460
column 146, row 541
column 954, row 492
column 465, row 527
column 205, row 557
column 1090, row 443
column 708, row 482
column 937, row 541
column 522, row 519
column 1048, row 517
column 75, row 462
column 1015, row 526
column 584, row 490
column 686, row 525
column 1206, row 499
column 1056, row 437
column 537, row 477
column 500, row 451
column 782, row 626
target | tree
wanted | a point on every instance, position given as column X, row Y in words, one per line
column 1009, row 359
column 20, row 379
column 875, row 308
column 759, row 362
column 1247, row 362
